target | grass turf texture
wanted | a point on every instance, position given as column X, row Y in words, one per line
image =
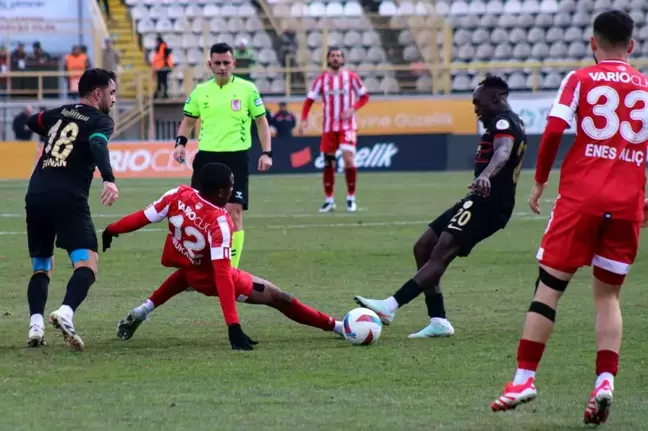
column 178, row 371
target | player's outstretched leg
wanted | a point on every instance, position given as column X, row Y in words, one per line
column 538, row 326
column 427, row 278
column 172, row 286
column 606, row 287
column 266, row 293
column 83, row 277
column 37, row 298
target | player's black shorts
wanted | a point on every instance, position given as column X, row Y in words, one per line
column 237, row 161
column 64, row 224
column 472, row 220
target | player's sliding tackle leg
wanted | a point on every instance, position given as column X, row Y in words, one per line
column 433, row 256
column 263, row 292
column 351, row 176
column 83, row 277
column 266, row 293
column 172, row 286
column 539, row 325
column 37, row 291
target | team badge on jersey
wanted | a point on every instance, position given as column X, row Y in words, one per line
column 236, row 104
column 502, row 124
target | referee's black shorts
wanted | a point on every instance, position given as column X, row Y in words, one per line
column 237, row 161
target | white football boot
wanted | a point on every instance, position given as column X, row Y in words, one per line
column 377, row 306
column 66, row 326
column 36, row 336
column 437, row 328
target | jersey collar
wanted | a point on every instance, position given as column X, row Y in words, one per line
column 614, row 61
column 227, row 83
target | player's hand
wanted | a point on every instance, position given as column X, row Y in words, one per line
column 238, row 338
column 301, row 128
column 179, row 153
column 481, row 186
column 536, row 193
column 265, row 162
column 110, row 194
column 348, row 114
column 106, row 238
column 644, row 223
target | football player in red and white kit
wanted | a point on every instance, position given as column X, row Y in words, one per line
column 600, row 208
column 342, row 94
column 199, row 244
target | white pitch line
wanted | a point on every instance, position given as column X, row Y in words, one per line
column 522, row 216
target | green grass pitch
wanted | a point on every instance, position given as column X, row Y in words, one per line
column 179, row 373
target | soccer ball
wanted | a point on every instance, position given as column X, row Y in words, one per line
column 362, row 326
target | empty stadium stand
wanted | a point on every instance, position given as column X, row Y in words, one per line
column 396, row 45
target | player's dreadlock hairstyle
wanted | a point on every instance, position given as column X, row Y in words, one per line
column 614, row 28
column 214, row 177
column 495, row 83
column 93, row 79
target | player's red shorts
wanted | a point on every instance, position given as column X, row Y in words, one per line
column 573, row 239
column 332, row 141
column 203, row 282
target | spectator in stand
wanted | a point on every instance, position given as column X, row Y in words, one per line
column 283, row 121
column 244, row 58
column 38, row 56
column 19, row 64
column 288, row 47
column 105, row 4
column 21, row 131
column 110, row 57
column 75, row 64
column 4, row 68
column 162, row 66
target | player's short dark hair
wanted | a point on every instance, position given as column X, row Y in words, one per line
column 614, row 28
column 496, row 83
column 214, row 177
column 221, row 48
column 93, row 79
column 334, row 48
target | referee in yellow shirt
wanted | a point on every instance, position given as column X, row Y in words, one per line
column 226, row 106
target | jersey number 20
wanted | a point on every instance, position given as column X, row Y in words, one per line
column 608, row 109
column 61, row 142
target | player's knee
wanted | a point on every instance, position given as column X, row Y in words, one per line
column 329, row 160
column 608, row 277
column 551, row 281
column 543, row 309
column 84, row 258
column 349, row 158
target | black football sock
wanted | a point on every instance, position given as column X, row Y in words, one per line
column 78, row 286
column 37, row 293
column 435, row 305
column 408, row 292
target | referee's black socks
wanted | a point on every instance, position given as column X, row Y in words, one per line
column 37, row 293
column 78, row 287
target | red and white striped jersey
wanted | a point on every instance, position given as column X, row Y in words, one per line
column 339, row 91
column 604, row 172
column 199, row 231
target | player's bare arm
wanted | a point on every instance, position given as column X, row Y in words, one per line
column 185, row 128
column 502, row 149
column 265, row 136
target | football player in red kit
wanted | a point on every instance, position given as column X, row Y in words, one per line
column 198, row 245
column 600, row 208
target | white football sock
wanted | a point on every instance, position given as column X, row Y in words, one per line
column 351, row 198
column 36, row 319
column 67, row 312
column 522, row 375
column 339, row 327
column 330, row 199
column 602, row 377
column 147, row 306
column 391, row 304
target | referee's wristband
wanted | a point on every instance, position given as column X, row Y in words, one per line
column 181, row 140
column 267, row 153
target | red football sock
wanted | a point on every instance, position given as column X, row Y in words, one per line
column 607, row 361
column 306, row 315
column 328, row 179
column 351, row 174
column 529, row 354
column 173, row 285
